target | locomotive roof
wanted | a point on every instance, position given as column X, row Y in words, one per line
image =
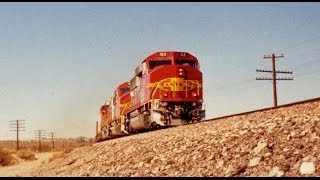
column 160, row 55
column 105, row 106
column 123, row 85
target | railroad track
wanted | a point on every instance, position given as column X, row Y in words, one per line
column 265, row 109
column 222, row 117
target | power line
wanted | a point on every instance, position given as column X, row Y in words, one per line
column 247, row 81
column 311, row 72
column 288, row 72
column 235, row 83
column 285, row 72
column 209, row 99
column 274, row 78
column 53, row 136
column 306, row 63
column 301, row 43
column 40, row 134
column 70, row 140
column 252, row 80
column 309, row 51
column 17, row 125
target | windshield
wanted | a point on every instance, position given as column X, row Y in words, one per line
column 156, row 63
column 124, row 90
column 186, row 62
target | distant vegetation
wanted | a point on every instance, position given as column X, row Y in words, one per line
column 60, row 144
column 27, row 149
column 6, row 158
column 26, row 155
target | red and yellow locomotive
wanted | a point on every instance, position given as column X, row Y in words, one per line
column 166, row 90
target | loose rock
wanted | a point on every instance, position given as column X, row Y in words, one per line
column 307, row 168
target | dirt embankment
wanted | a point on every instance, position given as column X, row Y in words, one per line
column 279, row 142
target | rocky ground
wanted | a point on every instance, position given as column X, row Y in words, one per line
column 281, row 142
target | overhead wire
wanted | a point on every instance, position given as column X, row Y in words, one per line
column 301, row 43
column 247, row 81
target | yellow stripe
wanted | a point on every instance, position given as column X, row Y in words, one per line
column 124, row 107
column 176, row 84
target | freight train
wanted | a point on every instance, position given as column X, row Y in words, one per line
column 166, row 90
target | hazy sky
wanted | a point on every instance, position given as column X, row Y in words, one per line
column 59, row 62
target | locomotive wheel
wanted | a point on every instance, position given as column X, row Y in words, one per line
column 153, row 125
column 130, row 129
column 184, row 122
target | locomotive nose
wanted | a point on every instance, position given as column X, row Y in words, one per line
column 182, row 72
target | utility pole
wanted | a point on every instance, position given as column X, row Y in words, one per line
column 17, row 125
column 64, row 143
column 53, row 136
column 274, row 78
column 39, row 135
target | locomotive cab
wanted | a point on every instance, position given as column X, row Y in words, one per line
column 175, row 82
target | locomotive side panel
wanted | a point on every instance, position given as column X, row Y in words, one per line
column 135, row 92
column 145, row 90
column 103, row 115
column 122, row 99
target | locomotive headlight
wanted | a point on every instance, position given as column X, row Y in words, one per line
column 194, row 94
column 181, row 72
column 165, row 94
column 194, row 104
